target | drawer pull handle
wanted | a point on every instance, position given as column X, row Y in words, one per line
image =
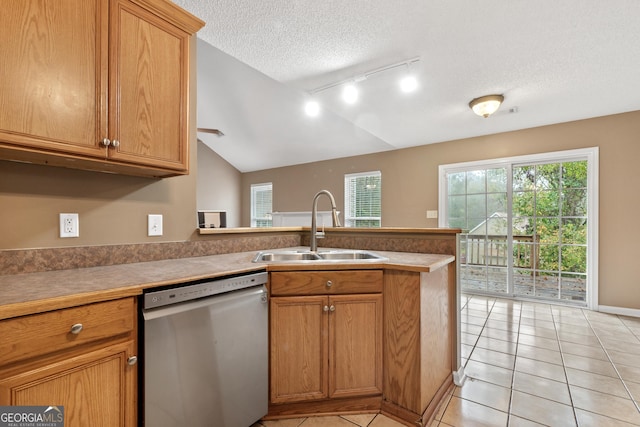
column 329, row 283
column 76, row 329
column 132, row 360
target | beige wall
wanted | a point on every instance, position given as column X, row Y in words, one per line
column 219, row 185
column 410, row 185
column 112, row 209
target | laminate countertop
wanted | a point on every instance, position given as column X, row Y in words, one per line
column 24, row 294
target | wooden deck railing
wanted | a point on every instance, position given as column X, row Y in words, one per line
column 492, row 250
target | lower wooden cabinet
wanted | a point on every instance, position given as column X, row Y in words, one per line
column 420, row 336
column 355, row 345
column 325, row 347
column 299, row 349
column 96, row 388
column 328, row 351
column 95, row 380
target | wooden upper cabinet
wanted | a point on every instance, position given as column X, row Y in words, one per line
column 149, row 88
column 53, row 74
column 97, row 84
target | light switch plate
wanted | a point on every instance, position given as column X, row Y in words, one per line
column 432, row 214
column 154, row 224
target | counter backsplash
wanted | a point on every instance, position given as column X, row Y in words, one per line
column 19, row 261
column 47, row 259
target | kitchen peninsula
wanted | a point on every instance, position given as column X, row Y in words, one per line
column 416, row 288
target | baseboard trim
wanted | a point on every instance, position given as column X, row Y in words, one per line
column 622, row 311
column 459, row 376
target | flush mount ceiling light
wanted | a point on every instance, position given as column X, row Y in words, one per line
column 486, row 105
column 350, row 92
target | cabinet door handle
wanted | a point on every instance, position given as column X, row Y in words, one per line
column 76, row 329
column 106, row 142
column 329, row 283
column 132, row 360
column 115, row 143
column 325, row 308
column 332, row 308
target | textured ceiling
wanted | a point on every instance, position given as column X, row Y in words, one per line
column 555, row 61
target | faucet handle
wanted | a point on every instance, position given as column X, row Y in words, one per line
column 335, row 218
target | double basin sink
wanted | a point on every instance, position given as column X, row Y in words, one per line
column 323, row 255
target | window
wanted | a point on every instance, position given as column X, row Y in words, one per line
column 261, row 205
column 362, row 199
column 529, row 225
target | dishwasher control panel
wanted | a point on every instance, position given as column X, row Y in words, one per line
column 191, row 291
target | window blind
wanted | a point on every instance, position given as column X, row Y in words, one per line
column 363, row 204
column 261, row 206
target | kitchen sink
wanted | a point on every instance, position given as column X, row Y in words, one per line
column 329, row 255
column 285, row 256
column 349, row 254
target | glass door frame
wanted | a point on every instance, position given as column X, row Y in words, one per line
column 591, row 155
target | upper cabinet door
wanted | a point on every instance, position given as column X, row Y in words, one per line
column 54, row 74
column 149, row 76
column 96, row 84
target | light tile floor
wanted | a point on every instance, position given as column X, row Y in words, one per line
column 532, row 364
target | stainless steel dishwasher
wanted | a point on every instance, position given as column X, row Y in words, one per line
column 206, row 353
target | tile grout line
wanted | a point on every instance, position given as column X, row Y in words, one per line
column 484, row 326
column 564, row 365
column 615, row 368
column 511, row 388
column 513, row 375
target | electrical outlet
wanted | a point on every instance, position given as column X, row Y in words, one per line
column 69, row 225
column 154, row 224
column 432, row 214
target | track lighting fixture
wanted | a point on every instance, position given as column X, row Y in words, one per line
column 351, row 89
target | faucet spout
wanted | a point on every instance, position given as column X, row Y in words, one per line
column 314, row 219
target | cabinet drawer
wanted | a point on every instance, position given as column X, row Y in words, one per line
column 326, row 282
column 38, row 334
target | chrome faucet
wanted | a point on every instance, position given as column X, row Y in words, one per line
column 314, row 214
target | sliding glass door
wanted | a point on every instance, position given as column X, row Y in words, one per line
column 477, row 202
column 525, row 223
column 550, row 205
